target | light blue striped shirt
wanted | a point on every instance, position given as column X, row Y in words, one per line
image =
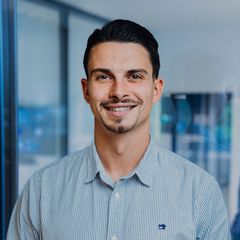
column 164, row 198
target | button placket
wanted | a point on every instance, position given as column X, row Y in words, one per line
column 115, row 212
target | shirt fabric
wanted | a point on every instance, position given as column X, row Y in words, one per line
column 165, row 198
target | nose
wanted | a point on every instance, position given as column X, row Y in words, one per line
column 118, row 89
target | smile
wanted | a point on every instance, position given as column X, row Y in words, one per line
column 120, row 109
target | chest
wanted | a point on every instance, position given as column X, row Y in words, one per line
column 125, row 212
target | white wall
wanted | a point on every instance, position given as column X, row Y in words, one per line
column 205, row 60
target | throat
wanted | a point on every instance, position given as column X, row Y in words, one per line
column 118, row 161
column 122, row 157
column 120, row 150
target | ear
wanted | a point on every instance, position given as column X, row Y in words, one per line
column 84, row 82
column 157, row 89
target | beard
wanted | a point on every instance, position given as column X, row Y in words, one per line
column 118, row 127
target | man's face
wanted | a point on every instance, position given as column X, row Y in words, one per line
column 120, row 87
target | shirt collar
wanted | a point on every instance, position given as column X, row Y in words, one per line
column 93, row 163
column 144, row 171
column 147, row 166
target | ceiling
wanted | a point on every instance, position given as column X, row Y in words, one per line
column 159, row 15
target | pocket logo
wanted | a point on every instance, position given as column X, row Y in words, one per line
column 162, row 226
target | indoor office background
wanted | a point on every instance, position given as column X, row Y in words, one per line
column 44, row 116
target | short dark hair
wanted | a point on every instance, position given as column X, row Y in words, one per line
column 124, row 31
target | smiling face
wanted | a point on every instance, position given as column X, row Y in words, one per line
column 120, row 87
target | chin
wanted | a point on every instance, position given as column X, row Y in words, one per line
column 119, row 129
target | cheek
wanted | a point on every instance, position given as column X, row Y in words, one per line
column 99, row 92
column 97, row 95
column 146, row 94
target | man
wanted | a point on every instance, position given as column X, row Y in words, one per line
column 123, row 186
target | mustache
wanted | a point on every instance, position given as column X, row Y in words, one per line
column 117, row 100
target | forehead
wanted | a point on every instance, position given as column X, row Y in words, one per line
column 119, row 55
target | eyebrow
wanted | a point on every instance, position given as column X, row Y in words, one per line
column 106, row 70
column 140, row 70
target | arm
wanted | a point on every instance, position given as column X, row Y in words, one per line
column 212, row 216
column 24, row 223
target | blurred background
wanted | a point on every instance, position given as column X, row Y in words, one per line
column 44, row 116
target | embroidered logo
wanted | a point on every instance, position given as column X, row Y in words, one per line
column 162, row 226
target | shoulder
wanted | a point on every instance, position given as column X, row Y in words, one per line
column 193, row 186
column 65, row 168
column 185, row 177
column 180, row 165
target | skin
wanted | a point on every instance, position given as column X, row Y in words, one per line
column 121, row 91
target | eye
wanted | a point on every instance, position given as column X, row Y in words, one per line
column 135, row 76
column 102, row 77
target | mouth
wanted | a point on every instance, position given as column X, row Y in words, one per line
column 119, row 108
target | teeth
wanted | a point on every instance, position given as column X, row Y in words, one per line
column 120, row 109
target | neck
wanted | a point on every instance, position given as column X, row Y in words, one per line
column 121, row 153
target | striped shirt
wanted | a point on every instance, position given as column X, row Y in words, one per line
column 164, row 198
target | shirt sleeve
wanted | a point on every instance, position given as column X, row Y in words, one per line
column 24, row 223
column 212, row 216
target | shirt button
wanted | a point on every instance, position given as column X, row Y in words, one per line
column 117, row 195
column 114, row 237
